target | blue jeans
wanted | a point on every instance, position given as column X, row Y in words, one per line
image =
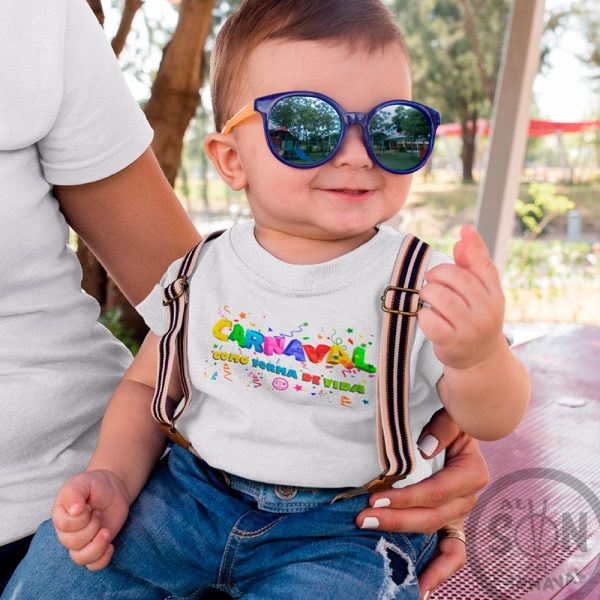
column 194, row 527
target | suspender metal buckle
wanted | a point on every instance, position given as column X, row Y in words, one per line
column 380, row 483
column 175, row 436
column 394, row 288
column 183, row 286
column 383, row 482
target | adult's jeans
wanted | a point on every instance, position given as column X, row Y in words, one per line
column 195, row 527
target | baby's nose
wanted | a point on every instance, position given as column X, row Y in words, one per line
column 353, row 151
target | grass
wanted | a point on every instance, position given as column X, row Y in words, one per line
column 438, row 209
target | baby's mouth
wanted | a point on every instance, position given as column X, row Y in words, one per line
column 350, row 192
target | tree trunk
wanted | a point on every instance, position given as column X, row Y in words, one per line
column 468, row 124
column 488, row 82
column 176, row 90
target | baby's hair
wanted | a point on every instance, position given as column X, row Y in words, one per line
column 357, row 23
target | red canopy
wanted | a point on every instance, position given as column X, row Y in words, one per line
column 536, row 127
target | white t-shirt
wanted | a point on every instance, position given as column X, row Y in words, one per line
column 275, row 397
column 66, row 117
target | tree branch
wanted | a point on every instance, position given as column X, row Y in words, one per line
column 129, row 11
column 96, row 7
column 486, row 81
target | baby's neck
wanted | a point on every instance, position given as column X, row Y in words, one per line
column 298, row 250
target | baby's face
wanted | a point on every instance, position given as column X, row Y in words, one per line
column 322, row 202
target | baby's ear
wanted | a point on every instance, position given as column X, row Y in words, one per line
column 223, row 152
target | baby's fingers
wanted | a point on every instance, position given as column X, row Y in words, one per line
column 435, row 326
column 74, row 494
column 63, row 521
column 103, row 560
column 71, row 511
column 95, row 551
column 77, row 540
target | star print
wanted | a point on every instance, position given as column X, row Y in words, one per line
column 349, row 330
column 242, row 315
column 363, row 345
column 298, row 388
column 365, row 401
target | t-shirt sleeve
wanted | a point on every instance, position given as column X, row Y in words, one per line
column 151, row 308
column 99, row 128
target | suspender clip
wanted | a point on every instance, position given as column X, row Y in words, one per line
column 383, row 482
column 175, row 436
column 170, row 297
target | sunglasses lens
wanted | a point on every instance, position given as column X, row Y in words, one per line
column 303, row 130
column 400, row 137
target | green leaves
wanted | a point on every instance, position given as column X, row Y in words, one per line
column 544, row 204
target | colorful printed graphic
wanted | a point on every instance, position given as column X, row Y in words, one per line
column 300, row 360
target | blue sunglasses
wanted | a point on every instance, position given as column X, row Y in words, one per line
column 306, row 129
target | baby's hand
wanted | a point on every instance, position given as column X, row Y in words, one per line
column 466, row 312
column 88, row 513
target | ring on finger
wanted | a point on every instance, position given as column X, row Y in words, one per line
column 450, row 532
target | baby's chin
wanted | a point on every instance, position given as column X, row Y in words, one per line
column 308, row 243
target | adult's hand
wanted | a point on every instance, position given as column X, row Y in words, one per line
column 442, row 500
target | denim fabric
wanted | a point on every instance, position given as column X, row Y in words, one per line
column 193, row 528
column 10, row 557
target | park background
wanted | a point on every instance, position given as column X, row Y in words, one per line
column 552, row 276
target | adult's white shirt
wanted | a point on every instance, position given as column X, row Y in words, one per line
column 66, row 117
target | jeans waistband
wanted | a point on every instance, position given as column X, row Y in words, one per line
column 282, row 498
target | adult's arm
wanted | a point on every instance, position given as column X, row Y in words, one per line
column 132, row 221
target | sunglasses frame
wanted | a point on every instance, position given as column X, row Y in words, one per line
column 264, row 105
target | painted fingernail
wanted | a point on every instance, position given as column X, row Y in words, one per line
column 381, row 502
column 428, row 445
column 370, row 523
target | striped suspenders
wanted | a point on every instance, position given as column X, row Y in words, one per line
column 175, row 296
column 400, row 303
